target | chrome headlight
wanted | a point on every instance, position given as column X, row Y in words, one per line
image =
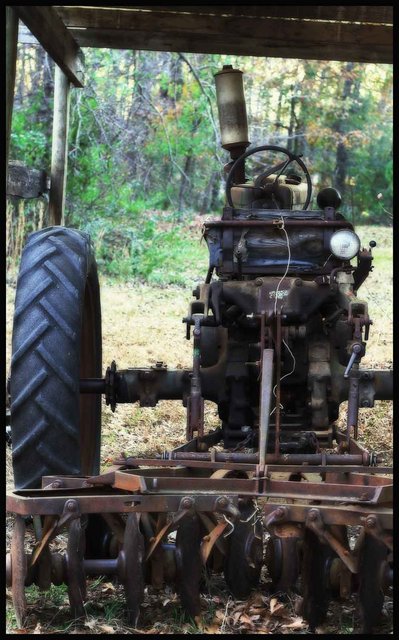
column 345, row 244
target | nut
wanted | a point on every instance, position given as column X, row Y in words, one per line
column 371, row 522
column 222, row 502
column 186, row 503
column 71, row 505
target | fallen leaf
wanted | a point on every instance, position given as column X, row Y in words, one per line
column 297, row 623
column 245, row 619
column 106, row 628
column 213, row 628
column 90, row 623
column 275, row 605
column 108, row 587
column 236, row 617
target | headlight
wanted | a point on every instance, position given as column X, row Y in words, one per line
column 344, row 244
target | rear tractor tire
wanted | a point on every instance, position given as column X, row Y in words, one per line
column 56, row 341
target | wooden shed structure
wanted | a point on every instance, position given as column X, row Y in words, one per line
column 346, row 33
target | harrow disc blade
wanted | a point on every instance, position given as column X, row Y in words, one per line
column 372, row 561
column 133, row 553
column 282, row 562
column 75, row 573
column 189, row 564
column 244, row 557
column 316, row 562
column 19, row 570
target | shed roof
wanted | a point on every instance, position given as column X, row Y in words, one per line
column 347, row 33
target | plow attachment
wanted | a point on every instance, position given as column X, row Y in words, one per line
column 322, row 530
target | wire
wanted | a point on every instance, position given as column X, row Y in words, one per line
column 275, row 310
column 288, row 263
column 330, row 256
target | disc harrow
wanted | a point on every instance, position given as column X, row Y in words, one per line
column 168, row 523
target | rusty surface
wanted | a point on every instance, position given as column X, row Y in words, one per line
column 189, row 564
column 210, row 539
column 19, row 570
column 75, row 573
column 133, row 579
column 271, row 223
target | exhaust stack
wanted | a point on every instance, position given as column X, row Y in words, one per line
column 232, row 110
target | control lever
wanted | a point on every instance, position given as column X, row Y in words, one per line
column 357, row 348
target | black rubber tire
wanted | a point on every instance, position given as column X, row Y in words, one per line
column 56, row 341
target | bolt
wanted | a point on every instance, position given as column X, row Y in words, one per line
column 70, row 505
column 279, row 512
column 206, row 538
column 186, row 503
column 298, row 282
column 57, row 484
column 371, row 522
column 258, row 282
column 312, row 515
column 366, row 403
column 222, row 502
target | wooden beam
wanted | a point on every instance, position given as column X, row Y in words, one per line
column 348, row 13
column 59, row 155
column 25, row 182
column 166, row 31
column 11, row 64
column 46, row 25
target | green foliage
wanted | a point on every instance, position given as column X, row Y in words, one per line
column 144, row 148
column 159, row 254
column 29, row 138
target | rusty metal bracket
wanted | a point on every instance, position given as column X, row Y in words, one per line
column 315, row 522
column 373, row 527
column 186, row 507
column 209, row 540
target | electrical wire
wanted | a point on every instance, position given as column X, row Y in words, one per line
column 282, row 227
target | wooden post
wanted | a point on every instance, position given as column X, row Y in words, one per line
column 59, row 155
column 11, row 64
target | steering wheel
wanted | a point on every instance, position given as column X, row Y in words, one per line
column 291, row 157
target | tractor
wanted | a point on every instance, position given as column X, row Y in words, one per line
column 278, row 334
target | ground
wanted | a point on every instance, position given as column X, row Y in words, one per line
column 142, row 325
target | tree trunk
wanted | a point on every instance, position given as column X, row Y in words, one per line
column 185, row 180
column 340, row 126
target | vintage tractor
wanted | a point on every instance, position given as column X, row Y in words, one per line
column 278, row 336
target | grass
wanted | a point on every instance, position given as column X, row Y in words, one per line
column 142, row 324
